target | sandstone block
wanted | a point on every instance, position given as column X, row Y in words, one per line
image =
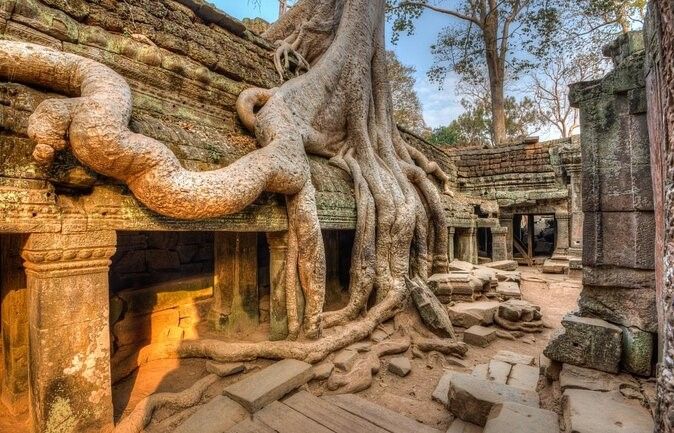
column 509, row 290
column 514, row 358
column 441, row 392
column 323, row 370
column 587, row 342
column 524, row 376
column 400, row 366
column 638, row 348
column 218, row 415
column 224, row 370
column 573, row 377
column 516, row 418
column 460, row 426
column 459, row 265
column 479, row 336
column 472, row 399
column 503, row 265
column 549, row 368
column 551, row 266
column 345, row 359
column 604, row 412
column 627, row 307
column 467, row 314
column 481, row 371
column 270, row 384
column 499, row 371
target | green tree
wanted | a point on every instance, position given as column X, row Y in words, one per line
column 407, row 110
column 445, row 135
column 502, row 37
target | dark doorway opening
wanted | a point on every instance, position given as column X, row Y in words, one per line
column 534, row 238
column 484, row 244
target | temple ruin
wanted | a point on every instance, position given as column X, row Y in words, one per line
column 535, row 295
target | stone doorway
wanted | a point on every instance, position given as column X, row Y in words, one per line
column 534, row 238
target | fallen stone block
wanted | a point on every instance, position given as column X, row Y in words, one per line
column 270, row 384
column 471, row 399
column 499, row 371
column 218, row 415
column 481, row 371
column 604, row 412
column 517, row 310
column 514, row 358
column 479, row 336
column 459, row 265
column 441, row 392
column 467, row 314
column 323, row 370
column 400, row 366
column 549, row 368
column 555, row 266
column 461, row 426
column 345, row 359
column 516, row 418
column 587, row 342
column 224, row 370
column 573, row 377
column 503, row 265
column 524, row 376
column 509, row 290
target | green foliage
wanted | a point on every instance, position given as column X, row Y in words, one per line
column 407, row 110
column 473, row 127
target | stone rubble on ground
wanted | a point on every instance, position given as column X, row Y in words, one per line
column 400, row 366
column 479, row 336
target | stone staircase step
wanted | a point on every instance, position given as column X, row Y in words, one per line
column 604, row 412
column 270, row 384
column 250, row 426
column 382, row 417
column 516, row 418
column 460, row 426
column 284, row 419
column 524, row 376
column 514, row 358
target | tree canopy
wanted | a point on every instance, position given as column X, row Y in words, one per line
column 407, row 110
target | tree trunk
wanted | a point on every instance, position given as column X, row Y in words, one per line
column 496, row 71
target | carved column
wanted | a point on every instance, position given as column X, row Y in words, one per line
column 576, row 243
column 450, row 244
column 562, row 241
column 14, row 338
column 236, row 306
column 506, row 221
column 278, row 314
column 499, row 243
column 467, row 244
column 69, row 336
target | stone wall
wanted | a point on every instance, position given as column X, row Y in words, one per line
column 659, row 76
column 619, row 227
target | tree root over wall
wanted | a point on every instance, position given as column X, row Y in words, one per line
column 340, row 109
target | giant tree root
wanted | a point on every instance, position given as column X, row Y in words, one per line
column 359, row 378
column 141, row 415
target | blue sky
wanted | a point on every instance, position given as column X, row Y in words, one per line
column 440, row 106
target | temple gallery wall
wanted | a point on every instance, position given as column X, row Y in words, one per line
column 94, row 285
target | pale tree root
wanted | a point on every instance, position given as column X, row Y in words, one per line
column 360, row 376
column 141, row 415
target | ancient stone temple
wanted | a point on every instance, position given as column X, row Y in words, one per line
column 128, row 308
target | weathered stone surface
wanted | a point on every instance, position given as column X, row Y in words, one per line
column 627, row 307
column 441, row 391
column 604, row 412
column 587, row 342
column 499, row 371
column 517, row 310
column 638, row 349
column 516, row 418
column 573, row 377
column 471, row 399
column 467, row 314
column 503, row 265
column 524, row 376
column 217, row 416
column 226, row 369
column 460, row 426
column 553, row 266
column 509, row 290
column 514, row 358
column 549, row 368
column 270, row 384
column 323, row 370
column 432, row 312
column 345, row 359
column 481, row 371
column 459, row 265
column 400, row 365
column 479, row 336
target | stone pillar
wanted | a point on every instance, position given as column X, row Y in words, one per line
column 499, row 244
column 562, row 241
column 575, row 187
column 278, row 314
column 14, row 338
column 69, row 335
column 450, row 243
column 236, row 307
column 467, row 245
column 507, row 222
